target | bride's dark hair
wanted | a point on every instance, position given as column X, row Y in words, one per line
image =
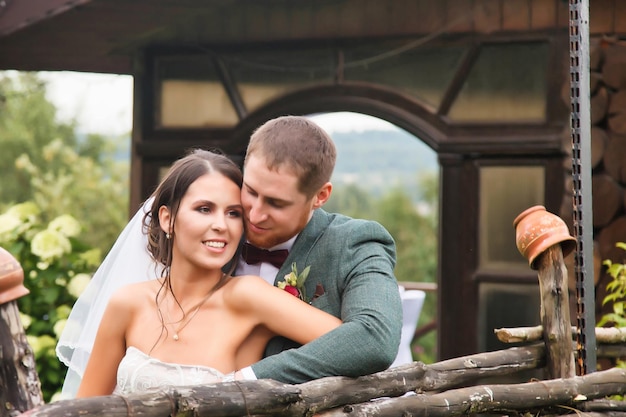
column 169, row 193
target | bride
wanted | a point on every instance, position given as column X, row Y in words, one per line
column 194, row 323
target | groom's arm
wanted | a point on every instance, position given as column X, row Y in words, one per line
column 371, row 312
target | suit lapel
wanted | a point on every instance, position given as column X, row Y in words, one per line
column 304, row 243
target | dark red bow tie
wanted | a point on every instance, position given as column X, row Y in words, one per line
column 253, row 255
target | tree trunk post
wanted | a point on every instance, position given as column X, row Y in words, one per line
column 20, row 388
column 555, row 315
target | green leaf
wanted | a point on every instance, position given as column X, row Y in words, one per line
column 303, row 276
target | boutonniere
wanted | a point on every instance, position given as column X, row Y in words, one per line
column 294, row 282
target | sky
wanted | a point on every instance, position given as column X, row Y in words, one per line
column 102, row 103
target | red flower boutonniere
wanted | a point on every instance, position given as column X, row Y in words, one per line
column 294, row 282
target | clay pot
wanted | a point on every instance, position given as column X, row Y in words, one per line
column 536, row 230
column 11, row 278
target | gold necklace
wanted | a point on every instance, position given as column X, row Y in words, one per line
column 184, row 322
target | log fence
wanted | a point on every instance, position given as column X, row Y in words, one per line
column 454, row 387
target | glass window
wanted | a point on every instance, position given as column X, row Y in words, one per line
column 262, row 76
column 505, row 305
column 504, row 193
column 195, row 104
column 507, row 83
column 420, row 71
column 191, row 95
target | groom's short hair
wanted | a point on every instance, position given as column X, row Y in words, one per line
column 299, row 144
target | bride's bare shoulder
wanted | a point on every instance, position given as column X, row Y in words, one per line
column 135, row 291
column 244, row 287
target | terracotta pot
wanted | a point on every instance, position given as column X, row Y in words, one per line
column 536, row 230
column 11, row 278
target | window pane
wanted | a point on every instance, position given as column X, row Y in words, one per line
column 195, row 104
column 504, row 193
column 507, row 83
column 422, row 72
column 264, row 75
column 505, row 305
column 191, row 95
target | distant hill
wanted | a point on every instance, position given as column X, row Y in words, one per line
column 378, row 160
column 375, row 160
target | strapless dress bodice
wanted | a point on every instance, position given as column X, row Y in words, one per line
column 139, row 372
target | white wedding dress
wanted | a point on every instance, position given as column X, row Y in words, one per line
column 139, row 373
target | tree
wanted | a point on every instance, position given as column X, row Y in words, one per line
column 351, row 201
column 26, row 125
column 63, row 173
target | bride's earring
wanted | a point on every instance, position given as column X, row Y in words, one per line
column 168, row 236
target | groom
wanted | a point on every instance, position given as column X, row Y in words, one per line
column 287, row 170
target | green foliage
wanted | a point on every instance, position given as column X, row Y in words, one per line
column 46, row 162
column 414, row 229
column 57, row 267
column 65, row 182
column 616, row 293
column 62, row 177
column 27, row 123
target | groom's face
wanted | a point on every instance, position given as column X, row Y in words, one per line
column 274, row 209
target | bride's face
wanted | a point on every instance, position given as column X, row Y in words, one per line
column 209, row 224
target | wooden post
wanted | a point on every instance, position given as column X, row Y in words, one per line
column 21, row 388
column 19, row 381
column 555, row 316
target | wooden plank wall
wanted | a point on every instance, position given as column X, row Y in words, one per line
column 275, row 21
column 288, row 20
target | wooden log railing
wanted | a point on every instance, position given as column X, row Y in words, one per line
column 382, row 394
column 446, row 388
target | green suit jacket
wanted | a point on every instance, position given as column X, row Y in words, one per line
column 353, row 260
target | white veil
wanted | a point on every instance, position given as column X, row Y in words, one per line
column 127, row 262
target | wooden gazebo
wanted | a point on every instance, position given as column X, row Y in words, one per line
column 484, row 83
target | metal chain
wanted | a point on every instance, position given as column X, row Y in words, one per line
column 581, row 176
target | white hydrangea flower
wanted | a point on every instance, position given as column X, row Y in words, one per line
column 8, row 223
column 44, row 342
column 58, row 327
column 65, row 224
column 92, row 257
column 43, row 265
column 33, row 342
column 50, row 244
column 23, row 162
column 27, row 211
column 78, row 284
column 57, row 396
column 26, row 320
column 52, row 149
column 63, row 311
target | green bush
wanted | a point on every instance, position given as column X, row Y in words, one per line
column 57, row 267
column 616, row 294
